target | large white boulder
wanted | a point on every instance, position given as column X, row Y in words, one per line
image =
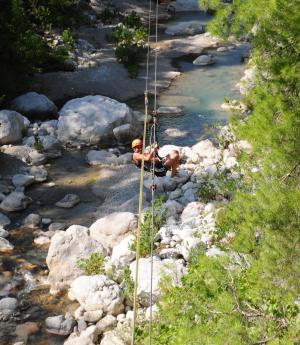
column 11, row 127
column 112, row 338
column 90, row 120
column 15, row 201
column 87, row 337
column 97, row 293
column 205, row 149
column 66, row 248
column 110, row 230
column 34, row 105
column 161, row 268
column 122, row 254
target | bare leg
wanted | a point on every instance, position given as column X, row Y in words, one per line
column 172, row 160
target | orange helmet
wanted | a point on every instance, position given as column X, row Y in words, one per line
column 136, row 142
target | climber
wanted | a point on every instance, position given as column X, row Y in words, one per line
column 162, row 165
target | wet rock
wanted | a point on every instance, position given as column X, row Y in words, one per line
column 34, row 105
column 5, row 245
column 39, row 172
column 101, row 157
column 37, row 158
column 108, row 323
column 60, row 325
column 8, row 305
column 175, row 133
column 66, row 248
column 3, row 233
column 24, row 330
column 169, row 110
column 97, row 293
column 204, row 60
column 33, row 220
column 68, row 201
column 57, row 226
column 11, row 128
column 15, row 201
column 20, row 180
column 185, row 28
column 161, row 268
column 222, row 49
column 90, row 120
column 110, row 230
column 47, row 221
column 4, row 220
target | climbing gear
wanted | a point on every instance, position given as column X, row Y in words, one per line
column 136, row 142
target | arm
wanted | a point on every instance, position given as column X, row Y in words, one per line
column 147, row 155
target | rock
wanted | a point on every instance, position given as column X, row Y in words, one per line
column 15, row 201
column 222, row 49
column 33, row 220
column 11, row 127
column 93, row 316
column 122, row 255
column 97, row 293
column 175, row 133
column 186, row 5
column 188, row 244
column 112, row 338
column 39, row 172
column 161, row 268
column 127, row 132
column 87, row 337
column 108, row 323
column 172, row 208
column 20, row 180
column 57, row 226
column 126, row 158
column 66, row 248
column 204, row 60
column 34, row 105
column 90, row 120
column 42, row 241
column 191, row 211
column 169, row 110
column 4, row 220
column 175, row 194
column 190, row 195
column 82, row 325
column 8, row 305
column 111, row 229
column 185, row 28
column 3, row 233
column 86, row 46
column 37, row 158
column 68, row 201
column 214, row 251
column 206, row 149
column 170, row 253
column 101, row 157
column 47, row 221
column 59, row 325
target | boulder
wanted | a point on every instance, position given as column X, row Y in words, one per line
column 112, row 338
column 101, row 157
column 11, row 127
column 90, row 120
column 87, row 337
column 57, row 226
column 34, row 105
column 97, row 293
column 92, row 316
column 108, row 323
column 60, row 325
column 110, row 230
column 205, row 149
column 185, row 28
column 127, row 132
column 15, row 201
column 21, row 180
column 5, row 245
column 169, row 110
column 122, row 255
column 8, row 305
column 161, row 268
column 3, row 233
column 26, row 154
column 204, row 60
column 66, row 248
column 4, row 220
column 33, row 220
column 68, row 201
column 39, row 172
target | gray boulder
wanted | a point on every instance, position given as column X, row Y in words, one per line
column 15, row 201
column 90, row 120
column 8, row 305
column 4, row 220
column 5, row 245
column 68, row 201
column 204, row 60
column 21, row 180
column 60, row 325
column 34, row 105
column 11, row 127
column 101, row 157
column 33, row 220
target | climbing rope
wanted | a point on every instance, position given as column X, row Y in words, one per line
column 152, row 135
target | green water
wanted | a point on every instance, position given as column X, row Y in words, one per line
column 200, row 91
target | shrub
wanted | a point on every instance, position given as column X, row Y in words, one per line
column 128, row 284
column 93, row 265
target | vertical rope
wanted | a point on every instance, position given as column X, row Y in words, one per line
column 138, row 235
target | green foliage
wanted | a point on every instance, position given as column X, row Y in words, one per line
column 223, row 300
column 129, row 38
column 93, row 265
column 67, row 38
column 38, row 145
column 128, row 284
column 145, row 235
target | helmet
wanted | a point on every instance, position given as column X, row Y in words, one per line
column 136, row 142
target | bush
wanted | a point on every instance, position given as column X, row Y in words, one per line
column 128, row 284
column 145, row 235
column 93, row 265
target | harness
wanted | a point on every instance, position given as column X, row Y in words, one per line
column 160, row 170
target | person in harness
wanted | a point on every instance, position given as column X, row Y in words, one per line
column 162, row 165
